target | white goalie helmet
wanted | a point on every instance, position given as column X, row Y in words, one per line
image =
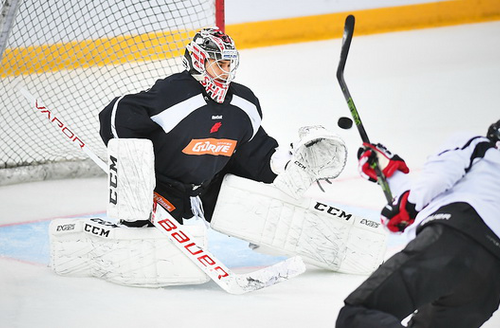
column 211, row 52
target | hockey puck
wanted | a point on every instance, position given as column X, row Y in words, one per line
column 345, row 123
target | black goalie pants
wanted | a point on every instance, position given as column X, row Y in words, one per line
column 451, row 279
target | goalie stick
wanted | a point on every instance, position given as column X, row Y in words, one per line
column 63, row 128
column 346, row 44
column 229, row 281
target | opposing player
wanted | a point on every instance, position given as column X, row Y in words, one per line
column 449, row 272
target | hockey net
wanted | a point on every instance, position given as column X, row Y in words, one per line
column 76, row 56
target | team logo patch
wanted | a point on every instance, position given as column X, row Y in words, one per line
column 210, row 146
column 216, row 127
column 163, row 202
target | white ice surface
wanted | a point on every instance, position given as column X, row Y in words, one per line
column 412, row 90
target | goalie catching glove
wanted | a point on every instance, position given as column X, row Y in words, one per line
column 400, row 214
column 318, row 155
column 387, row 162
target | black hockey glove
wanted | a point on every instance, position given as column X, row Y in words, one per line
column 388, row 162
column 399, row 215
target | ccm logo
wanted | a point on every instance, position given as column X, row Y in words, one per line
column 332, row 210
column 181, row 238
column 98, row 231
column 113, row 180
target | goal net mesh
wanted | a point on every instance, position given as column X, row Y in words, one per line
column 76, row 56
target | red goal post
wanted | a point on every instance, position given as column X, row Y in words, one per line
column 220, row 15
column 77, row 56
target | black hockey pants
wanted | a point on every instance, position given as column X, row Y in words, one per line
column 448, row 277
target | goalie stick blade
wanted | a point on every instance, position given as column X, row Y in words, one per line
column 267, row 276
column 229, row 281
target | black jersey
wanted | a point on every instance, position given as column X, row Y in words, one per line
column 194, row 138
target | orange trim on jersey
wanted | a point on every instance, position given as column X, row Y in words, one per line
column 163, row 202
column 210, row 146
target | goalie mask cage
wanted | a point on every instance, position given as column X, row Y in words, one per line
column 76, row 56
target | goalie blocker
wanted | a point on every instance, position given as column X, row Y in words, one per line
column 323, row 235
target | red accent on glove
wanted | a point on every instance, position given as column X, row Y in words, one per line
column 389, row 163
column 364, row 168
column 399, row 215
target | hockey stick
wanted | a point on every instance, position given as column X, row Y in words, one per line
column 63, row 128
column 346, row 44
column 231, row 282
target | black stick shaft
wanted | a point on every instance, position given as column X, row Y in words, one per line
column 346, row 44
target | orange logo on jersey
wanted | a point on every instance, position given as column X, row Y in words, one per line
column 210, row 146
column 163, row 202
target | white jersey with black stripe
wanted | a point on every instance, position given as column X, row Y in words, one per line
column 466, row 169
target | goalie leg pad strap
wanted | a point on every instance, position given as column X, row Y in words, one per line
column 142, row 257
column 321, row 234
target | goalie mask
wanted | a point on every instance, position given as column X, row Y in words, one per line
column 211, row 57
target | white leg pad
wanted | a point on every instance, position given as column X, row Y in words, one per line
column 321, row 234
column 131, row 179
column 141, row 257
